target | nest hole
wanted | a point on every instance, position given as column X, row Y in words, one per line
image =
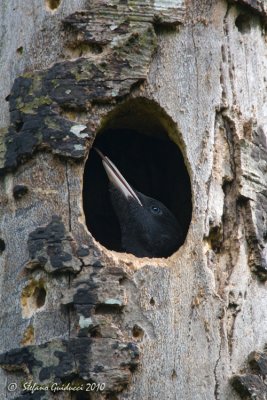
column 138, row 137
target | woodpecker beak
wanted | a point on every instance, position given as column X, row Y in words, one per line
column 117, row 179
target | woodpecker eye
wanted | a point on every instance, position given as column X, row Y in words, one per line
column 155, row 210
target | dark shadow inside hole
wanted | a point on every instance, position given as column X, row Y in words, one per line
column 135, row 138
column 53, row 4
column 152, row 301
column 19, row 191
column 40, row 296
column 19, row 50
column 19, row 125
column 2, row 246
column 243, row 23
column 95, row 332
column 138, row 332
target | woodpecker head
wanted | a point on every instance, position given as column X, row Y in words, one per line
column 148, row 228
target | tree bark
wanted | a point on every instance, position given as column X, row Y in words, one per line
column 192, row 326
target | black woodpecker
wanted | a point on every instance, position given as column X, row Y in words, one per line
column 148, row 228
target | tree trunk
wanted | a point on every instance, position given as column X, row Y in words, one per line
column 76, row 315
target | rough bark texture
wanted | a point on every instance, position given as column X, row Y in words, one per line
column 192, row 326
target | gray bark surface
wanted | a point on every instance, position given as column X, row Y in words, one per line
column 202, row 311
